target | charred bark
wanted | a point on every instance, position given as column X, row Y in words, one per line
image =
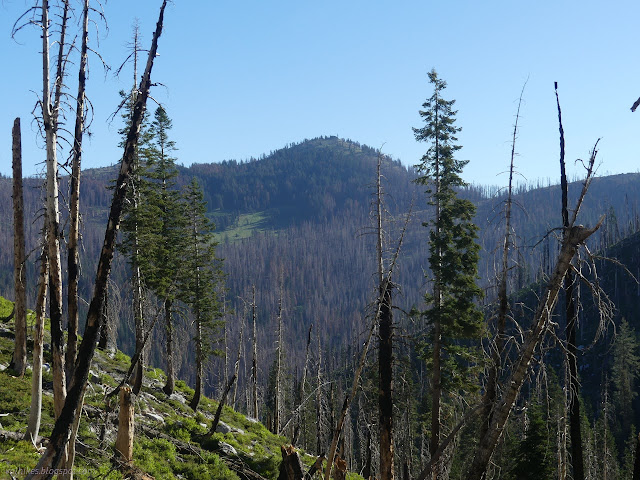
column 19, row 361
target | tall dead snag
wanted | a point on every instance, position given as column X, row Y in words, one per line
column 297, row 410
column 385, row 344
column 503, row 299
column 19, row 361
column 574, row 236
column 35, row 411
column 385, row 286
column 278, row 392
column 74, row 214
column 254, row 360
column 50, row 112
column 62, row 428
column 126, row 426
column 577, row 461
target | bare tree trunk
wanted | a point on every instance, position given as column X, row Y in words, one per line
column 50, row 121
column 195, row 401
column 35, row 411
column 385, row 346
column 347, row 402
column 254, row 361
column 502, row 407
column 319, row 436
column 227, row 389
column 299, row 419
column 19, row 361
column 571, row 314
column 170, row 383
column 277, row 406
column 64, row 423
column 74, row 214
column 126, row 426
column 503, row 299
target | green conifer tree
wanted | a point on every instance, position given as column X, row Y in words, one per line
column 163, row 216
column 452, row 313
column 534, row 457
column 201, row 281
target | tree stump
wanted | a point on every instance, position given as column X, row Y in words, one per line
column 124, row 441
column 291, row 466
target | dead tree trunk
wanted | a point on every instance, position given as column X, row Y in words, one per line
column 503, row 299
column 63, row 426
column 296, row 430
column 35, row 411
column 291, row 467
column 50, row 110
column 502, row 407
column 254, row 360
column 278, row 393
column 170, row 383
column 577, row 461
column 19, row 361
column 126, row 426
column 385, row 346
column 74, row 214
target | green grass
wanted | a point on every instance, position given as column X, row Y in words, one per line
column 246, row 225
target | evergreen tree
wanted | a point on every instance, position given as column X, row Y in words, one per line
column 201, row 280
column 624, row 373
column 162, row 224
column 451, row 313
column 534, row 454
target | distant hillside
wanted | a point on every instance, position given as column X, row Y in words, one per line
column 304, row 210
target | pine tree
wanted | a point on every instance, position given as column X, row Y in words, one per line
column 201, row 280
column 451, row 313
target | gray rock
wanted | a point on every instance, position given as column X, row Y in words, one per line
column 227, row 449
column 179, row 398
column 154, row 416
column 223, row 428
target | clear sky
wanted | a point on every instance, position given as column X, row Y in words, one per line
column 243, row 78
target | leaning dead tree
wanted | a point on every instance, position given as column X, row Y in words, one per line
column 63, row 426
column 19, row 361
column 573, row 237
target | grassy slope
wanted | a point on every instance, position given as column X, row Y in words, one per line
column 154, row 451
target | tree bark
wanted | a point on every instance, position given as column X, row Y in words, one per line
column 199, row 359
column 254, row 361
column 19, row 361
column 64, row 424
column 291, row 466
column 50, row 122
column 385, row 398
column 276, row 413
column 126, row 426
column 74, row 214
column 577, row 461
column 502, row 407
column 35, row 411
column 170, row 383
column 296, row 430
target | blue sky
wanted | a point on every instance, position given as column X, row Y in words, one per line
column 243, row 78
